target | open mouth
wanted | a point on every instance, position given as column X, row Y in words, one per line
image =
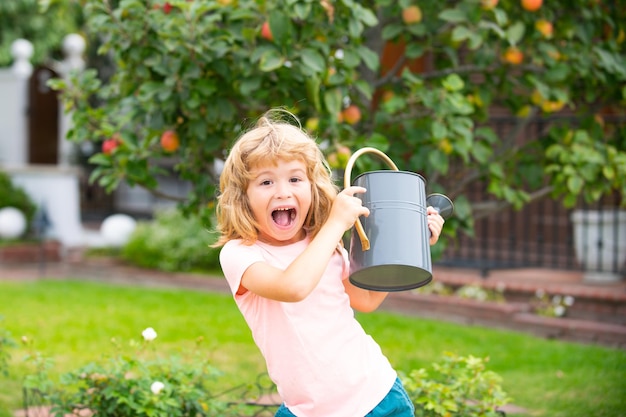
column 284, row 216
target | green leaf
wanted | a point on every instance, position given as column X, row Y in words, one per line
column 100, row 159
column 332, row 101
column 610, row 62
column 302, row 11
column 558, row 73
column 378, row 141
column 280, row 25
column 481, row 152
column 475, row 41
column 439, row 161
column 501, row 17
column 438, row 130
column 483, row 24
column 249, row 85
column 515, row 32
column 271, row 60
column 313, row 91
column 461, row 33
column 366, row 16
column 355, row 28
column 453, row 16
column 365, row 88
column 313, row 60
column 486, row 133
column 392, row 31
column 453, row 82
column 371, row 59
column 414, row 50
column 495, row 170
column 609, row 172
column 350, row 58
column 575, row 184
column 148, row 89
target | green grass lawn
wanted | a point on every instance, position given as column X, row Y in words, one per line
column 74, row 322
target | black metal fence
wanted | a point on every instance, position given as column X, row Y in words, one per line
column 544, row 233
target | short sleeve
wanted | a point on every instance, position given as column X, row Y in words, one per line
column 346, row 264
column 235, row 258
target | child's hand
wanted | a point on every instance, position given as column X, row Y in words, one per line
column 347, row 208
column 435, row 224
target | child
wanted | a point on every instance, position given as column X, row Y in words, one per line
column 281, row 221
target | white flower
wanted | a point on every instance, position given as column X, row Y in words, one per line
column 559, row 311
column 539, row 293
column 556, row 299
column 149, row 334
column 568, row 300
column 157, row 387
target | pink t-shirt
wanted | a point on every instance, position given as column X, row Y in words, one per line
column 317, row 353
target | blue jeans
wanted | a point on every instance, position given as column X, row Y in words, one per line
column 397, row 404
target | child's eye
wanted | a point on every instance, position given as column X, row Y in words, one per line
column 266, row 182
column 295, row 179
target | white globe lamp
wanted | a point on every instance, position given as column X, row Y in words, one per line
column 12, row 223
column 117, row 228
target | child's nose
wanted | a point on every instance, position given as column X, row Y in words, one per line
column 283, row 190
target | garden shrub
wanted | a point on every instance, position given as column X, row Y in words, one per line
column 14, row 196
column 172, row 242
column 138, row 383
column 457, row 386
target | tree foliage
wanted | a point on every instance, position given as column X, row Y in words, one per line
column 24, row 19
column 428, row 90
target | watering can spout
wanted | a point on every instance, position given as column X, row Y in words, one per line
column 441, row 203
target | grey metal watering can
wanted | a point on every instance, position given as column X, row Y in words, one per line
column 390, row 250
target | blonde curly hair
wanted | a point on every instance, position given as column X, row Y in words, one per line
column 272, row 139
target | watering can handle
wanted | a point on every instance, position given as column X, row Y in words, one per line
column 365, row 242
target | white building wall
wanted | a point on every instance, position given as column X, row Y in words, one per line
column 14, row 105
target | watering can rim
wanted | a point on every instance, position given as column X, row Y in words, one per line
column 390, row 171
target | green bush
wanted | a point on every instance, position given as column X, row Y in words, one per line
column 14, row 196
column 135, row 383
column 457, row 386
column 172, row 242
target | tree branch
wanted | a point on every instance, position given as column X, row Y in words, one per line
column 484, row 209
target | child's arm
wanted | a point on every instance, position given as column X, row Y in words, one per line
column 367, row 301
column 297, row 281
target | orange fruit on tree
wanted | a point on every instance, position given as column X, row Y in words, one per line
column 488, row 4
column 512, row 55
column 109, row 145
column 351, row 114
column 170, row 141
column 531, row 5
column 544, row 27
column 411, row 14
column 266, row 32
